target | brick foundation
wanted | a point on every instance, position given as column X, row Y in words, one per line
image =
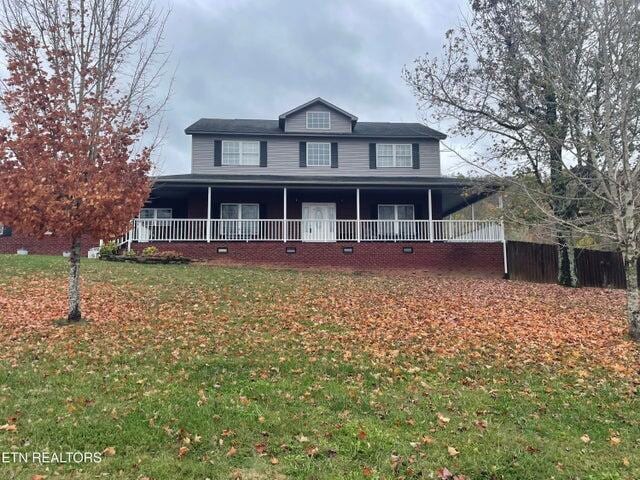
column 49, row 245
column 476, row 257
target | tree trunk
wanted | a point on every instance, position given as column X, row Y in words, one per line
column 555, row 134
column 567, row 274
column 633, row 295
column 74, row 282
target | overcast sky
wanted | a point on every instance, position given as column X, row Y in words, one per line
column 260, row 58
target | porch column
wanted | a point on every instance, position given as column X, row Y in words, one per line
column 208, row 214
column 284, row 216
column 430, row 216
column 358, row 215
column 473, row 211
column 504, row 238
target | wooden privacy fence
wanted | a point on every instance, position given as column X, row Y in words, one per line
column 537, row 262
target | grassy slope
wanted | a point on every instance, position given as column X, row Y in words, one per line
column 317, row 415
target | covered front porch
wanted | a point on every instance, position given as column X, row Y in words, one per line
column 310, row 213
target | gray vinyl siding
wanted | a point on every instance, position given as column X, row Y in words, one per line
column 283, row 159
column 298, row 121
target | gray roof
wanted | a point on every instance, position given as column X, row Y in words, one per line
column 236, row 126
column 208, row 179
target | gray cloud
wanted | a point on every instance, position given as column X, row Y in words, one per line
column 259, row 58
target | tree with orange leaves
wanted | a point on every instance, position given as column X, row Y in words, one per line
column 70, row 161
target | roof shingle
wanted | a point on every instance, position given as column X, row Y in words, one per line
column 271, row 128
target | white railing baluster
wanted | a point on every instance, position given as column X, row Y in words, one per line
column 187, row 230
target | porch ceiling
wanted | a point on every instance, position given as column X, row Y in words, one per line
column 456, row 193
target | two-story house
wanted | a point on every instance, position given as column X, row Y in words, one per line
column 317, row 186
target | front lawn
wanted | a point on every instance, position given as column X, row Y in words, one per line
column 222, row 373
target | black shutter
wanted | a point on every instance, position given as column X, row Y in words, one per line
column 334, row 155
column 415, row 152
column 263, row 154
column 217, row 153
column 303, row 154
column 372, row 155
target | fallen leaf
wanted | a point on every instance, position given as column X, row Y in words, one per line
column 585, row 438
column 274, row 461
column 182, row 452
column 452, row 451
column 232, row 451
column 481, row 424
column 362, row 435
column 109, row 451
column 8, row 427
column 442, row 420
column 614, row 441
column 367, row 471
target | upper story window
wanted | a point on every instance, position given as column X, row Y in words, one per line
column 240, row 153
column 320, row 120
column 318, row 154
column 393, row 155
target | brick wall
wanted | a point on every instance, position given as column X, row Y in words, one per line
column 49, row 245
column 477, row 257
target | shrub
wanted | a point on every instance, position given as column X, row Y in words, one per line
column 130, row 253
column 150, row 252
column 108, row 249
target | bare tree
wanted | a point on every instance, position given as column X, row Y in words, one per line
column 606, row 132
column 555, row 86
column 493, row 79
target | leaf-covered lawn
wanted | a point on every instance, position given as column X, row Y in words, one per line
column 205, row 372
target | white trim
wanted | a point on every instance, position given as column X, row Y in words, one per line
column 394, row 147
column 358, row 232
column 208, row 214
column 328, row 127
column 284, row 216
column 241, row 153
column 430, row 216
column 319, row 143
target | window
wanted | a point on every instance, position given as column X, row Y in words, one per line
column 240, row 153
column 396, row 220
column 156, row 213
column 318, row 154
column 393, row 155
column 319, row 120
column 235, row 218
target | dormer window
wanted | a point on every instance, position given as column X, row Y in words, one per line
column 319, row 120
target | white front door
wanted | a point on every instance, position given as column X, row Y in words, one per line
column 318, row 222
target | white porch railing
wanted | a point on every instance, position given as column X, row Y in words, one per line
column 195, row 230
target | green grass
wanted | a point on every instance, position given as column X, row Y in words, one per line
column 356, row 414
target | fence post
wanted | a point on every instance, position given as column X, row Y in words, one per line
column 504, row 249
